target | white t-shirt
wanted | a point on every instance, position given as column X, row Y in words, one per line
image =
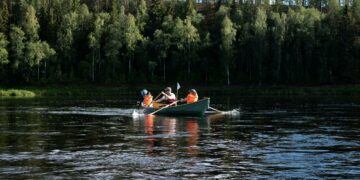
column 167, row 97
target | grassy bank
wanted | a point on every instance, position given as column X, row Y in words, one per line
column 16, row 93
column 83, row 91
column 203, row 90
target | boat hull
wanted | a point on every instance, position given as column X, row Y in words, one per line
column 193, row 109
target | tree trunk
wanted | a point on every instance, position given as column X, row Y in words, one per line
column 113, row 74
column 70, row 75
column 227, row 75
column 187, row 57
column 45, row 70
column 250, row 71
column 189, row 68
column 278, row 66
column 129, row 65
column 99, row 68
column 98, row 60
column 93, row 67
column 206, row 72
column 164, row 68
column 38, row 71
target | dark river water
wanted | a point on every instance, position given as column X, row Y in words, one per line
column 109, row 138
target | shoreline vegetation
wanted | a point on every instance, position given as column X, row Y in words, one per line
column 16, row 93
column 83, row 91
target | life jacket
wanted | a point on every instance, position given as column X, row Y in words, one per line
column 157, row 105
column 147, row 100
column 191, row 98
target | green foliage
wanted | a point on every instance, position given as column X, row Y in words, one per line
column 259, row 43
column 99, row 91
column 334, row 6
column 3, row 50
column 95, row 39
column 66, row 33
column 65, row 41
column 221, row 13
column 143, row 41
column 132, row 34
column 260, row 24
column 142, row 15
column 16, row 93
column 156, row 14
column 191, row 12
column 17, row 46
column 84, row 14
column 4, row 16
column 95, row 36
column 37, row 52
column 228, row 34
column 186, row 39
column 132, row 38
column 356, row 10
column 277, row 30
column 115, row 42
column 163, row 42
column 30, row 24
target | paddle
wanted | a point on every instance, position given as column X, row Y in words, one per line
column 216, row 110
column 177, row 90
column 154, row 99
column 163, row 108
column 157, row 97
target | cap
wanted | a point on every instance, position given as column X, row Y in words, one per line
column 143, row 92
column 193, row 90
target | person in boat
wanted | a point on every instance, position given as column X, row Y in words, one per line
column 191, row 97
column 168, row 97
column 147, row 98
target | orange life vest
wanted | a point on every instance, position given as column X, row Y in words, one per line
column 147, row 100
column 191, row 98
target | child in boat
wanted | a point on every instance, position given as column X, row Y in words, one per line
column 191, row 97
column 147, row 98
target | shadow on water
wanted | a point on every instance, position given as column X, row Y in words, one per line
column 273, row 138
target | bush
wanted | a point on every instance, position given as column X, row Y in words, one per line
column 16, row 93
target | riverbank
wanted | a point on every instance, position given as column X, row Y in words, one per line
column 66, row 91
column 349, row 90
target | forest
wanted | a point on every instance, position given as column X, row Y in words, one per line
column 159, row 41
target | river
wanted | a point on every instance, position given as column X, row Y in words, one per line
column 109, row 138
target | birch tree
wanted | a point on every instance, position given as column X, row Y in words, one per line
column 228, row 35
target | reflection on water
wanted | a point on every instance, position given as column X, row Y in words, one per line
column 170, row 131
column 99, row 139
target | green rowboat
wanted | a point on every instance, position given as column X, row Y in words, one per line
column 193, row 109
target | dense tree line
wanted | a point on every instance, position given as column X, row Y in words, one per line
column 147, row 41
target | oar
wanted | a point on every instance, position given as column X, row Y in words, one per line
column 216, row 110
column 157, row 97
column 163, row 108
column 154, row 99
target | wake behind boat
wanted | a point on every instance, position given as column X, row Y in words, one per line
column 194, row 109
